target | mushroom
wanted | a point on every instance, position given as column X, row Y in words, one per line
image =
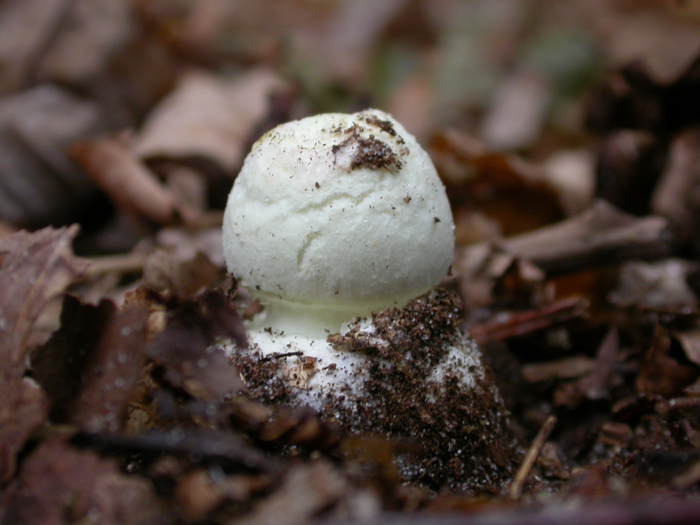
column 340, row 226
column 335, row 216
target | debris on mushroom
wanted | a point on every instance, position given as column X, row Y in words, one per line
column 340, row 226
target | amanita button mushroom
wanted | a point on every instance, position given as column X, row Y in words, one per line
column 332, row 218
column 335, row 216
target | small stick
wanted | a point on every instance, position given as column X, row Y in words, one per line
column 126, row 263
column 516, row 488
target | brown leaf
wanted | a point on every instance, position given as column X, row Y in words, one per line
column 523, row 323
column 503, row 187
column 176, row 273
column 690, row 341
column 661, row 374
column 595, row 384
column 36, row 268
column 36, row 126
column 305, row 491
column 86, row 40
column 25, row 26
column 675, row 196
column 198, row 492
column 127, row 182
column 599, row 235
column 60, row 485
column 206, row 117
column 23, row 408
column 59, row 365
column 113, row 372
column 185, row 348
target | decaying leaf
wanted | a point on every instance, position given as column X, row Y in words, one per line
column 171, row 273
column 305, row 492
column 58, row 366
column 185, row 348
column 129, row 184
column 208, row 118
column 661, row 374
column 36, row 268
column 61, row 485
column 112, row 373
column 39, row 185
column 502, row 186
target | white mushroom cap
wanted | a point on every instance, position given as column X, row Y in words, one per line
column 337, row 214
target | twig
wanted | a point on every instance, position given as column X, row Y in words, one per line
column 530, row 321
column 128, row 263
column 516, row 488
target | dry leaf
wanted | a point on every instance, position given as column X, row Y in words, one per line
column 36, row 268
column 305, row 491
column 171, row 275
column 206, row 117
column 185, row 348
column 39, row 185
column 661, row 374
column 112, row 373
column 59, row 365
column 24, row 33
column 60, row 485
column 676, row 195
column 127, row 182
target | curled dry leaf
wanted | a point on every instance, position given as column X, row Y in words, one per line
column 661, row 374
column 112, row 374
column 39, row 185
column 306, row 490
column 676, row 195
column 171, row 275
column 599, row 235
column 206, row 117
column 127, row 182
column 59, row 484
column 91, row 366
column 35, row 271
column 185, row 348
column 58, row 366
column 595, row 385
column 502, row 186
